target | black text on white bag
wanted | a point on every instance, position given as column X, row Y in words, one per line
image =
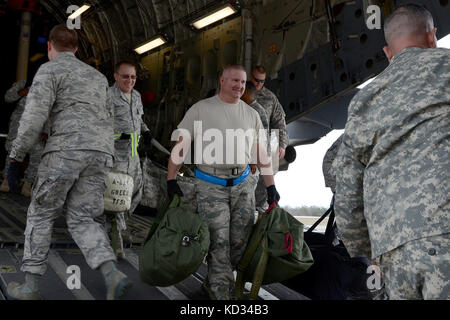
column 118, row 193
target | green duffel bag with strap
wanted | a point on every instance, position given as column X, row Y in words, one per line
column 275, row 252
column 175, row 246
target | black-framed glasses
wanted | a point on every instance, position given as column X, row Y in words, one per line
column 127, row 76
column 258, row 80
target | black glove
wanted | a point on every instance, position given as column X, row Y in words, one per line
column 272, row 194
column 147, row 136
column 13, row 175
column 173, row 188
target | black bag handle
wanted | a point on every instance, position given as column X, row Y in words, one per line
column 331, row 219
column 329, row 233
column 330, row 212
column 321, row 219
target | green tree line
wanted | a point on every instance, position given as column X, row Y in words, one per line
column 305, row 210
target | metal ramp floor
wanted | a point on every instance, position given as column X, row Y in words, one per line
column 57, row 281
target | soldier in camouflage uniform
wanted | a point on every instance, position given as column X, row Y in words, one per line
column 76, row 162
column 17, row 93
column 268, row 100
column 328, row 170
column 260, row 189
column 392, row 194
column 225, row 197
column 128, row 126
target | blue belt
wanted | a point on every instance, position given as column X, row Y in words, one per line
column 220, row 181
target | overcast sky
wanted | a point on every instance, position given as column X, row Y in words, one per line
column 303, row 184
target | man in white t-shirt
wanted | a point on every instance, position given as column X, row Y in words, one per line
column 225, row 196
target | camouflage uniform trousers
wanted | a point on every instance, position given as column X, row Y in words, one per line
column 229, row 213
column 261, row 195
column 419, row 269
column 77, row 180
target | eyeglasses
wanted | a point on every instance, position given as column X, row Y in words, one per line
column 258, row 80
column 127, row 76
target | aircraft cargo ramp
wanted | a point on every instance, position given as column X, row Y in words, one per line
column 64, row 255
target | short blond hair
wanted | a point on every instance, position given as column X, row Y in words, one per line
column 233, row 67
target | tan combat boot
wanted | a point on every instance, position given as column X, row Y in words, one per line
column 26, row 189
column 5, row 186
column 117, row 283
column 29, row 290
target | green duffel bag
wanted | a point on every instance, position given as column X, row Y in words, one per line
column 175, row 246
column 275, row 252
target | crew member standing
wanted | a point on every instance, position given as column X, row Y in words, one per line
column 18, row 94
column 128, row 127
column 392, row 186
column 249, row 98
column 225, row 196
column 268, row 100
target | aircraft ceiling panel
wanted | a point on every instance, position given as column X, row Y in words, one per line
column 316, row 58
column 361, row 49
column 321, row 75
column 316, row 124
column 333, row 114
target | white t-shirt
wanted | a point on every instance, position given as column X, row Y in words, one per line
column 223, row 133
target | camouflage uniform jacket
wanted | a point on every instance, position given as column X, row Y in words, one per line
column 128, row 116
column 394, row 164
column 12, row 96
column 276, row 114
column 328, row 170
column 74, row 96
column 264, row 120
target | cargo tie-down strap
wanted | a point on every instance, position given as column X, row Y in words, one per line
column 221, row 181
column 134, row 136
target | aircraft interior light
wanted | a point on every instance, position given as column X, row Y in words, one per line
column 36, row 57
column 220, row 13
column 150, row 45
column 79, row 11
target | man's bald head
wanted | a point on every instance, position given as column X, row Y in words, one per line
column 409, row 26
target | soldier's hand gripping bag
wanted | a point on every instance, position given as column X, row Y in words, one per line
column 175, row 247
column 275, row 252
